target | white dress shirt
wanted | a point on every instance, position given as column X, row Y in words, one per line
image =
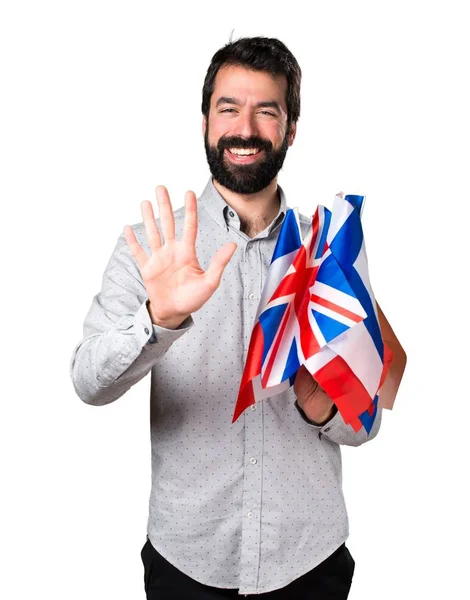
column 251, row 505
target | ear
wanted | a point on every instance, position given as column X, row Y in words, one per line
column 204, row 125
column 292, row 132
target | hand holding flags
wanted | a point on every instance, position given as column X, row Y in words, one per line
column 317, row 309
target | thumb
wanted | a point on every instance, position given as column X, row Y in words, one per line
column 218, row 263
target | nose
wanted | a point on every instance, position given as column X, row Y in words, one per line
column 245, row 125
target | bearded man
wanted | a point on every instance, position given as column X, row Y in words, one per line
column 255, row 507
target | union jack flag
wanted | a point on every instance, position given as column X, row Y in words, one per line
column 317, row 309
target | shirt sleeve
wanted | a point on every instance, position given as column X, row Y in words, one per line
column 120, row 343
column 336, row 430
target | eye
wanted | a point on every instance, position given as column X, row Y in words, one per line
column 266, row 112
column 227, row 109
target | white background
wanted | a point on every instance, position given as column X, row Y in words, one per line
column 100, row 104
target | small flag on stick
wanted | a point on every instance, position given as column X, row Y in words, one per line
column 317, row 309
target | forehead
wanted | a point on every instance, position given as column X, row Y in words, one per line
column 247, row 85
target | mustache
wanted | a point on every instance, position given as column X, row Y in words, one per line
column 238, row 142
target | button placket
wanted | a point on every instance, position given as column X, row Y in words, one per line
column 253, row 427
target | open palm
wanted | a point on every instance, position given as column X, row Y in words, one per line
column 175, row 282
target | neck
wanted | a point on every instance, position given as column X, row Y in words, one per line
column 256, row 211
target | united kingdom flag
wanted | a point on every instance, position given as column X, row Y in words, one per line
column 317, row 309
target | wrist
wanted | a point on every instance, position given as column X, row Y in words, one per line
column 171, row 323
column 319, row 419
column 323, row 421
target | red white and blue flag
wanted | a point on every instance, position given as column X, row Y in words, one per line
column 317, row 309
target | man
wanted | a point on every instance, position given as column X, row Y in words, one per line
column 254, row 507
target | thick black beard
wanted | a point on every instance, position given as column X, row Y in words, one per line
column 245, row 179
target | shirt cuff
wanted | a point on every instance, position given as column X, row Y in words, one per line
column 157, row 333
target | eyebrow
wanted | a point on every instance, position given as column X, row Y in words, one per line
column 265, row 104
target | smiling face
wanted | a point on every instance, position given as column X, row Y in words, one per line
column 246, row 138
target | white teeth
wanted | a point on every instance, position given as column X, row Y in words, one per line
column 243, row 151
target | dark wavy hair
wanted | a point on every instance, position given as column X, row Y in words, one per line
column 257, row 54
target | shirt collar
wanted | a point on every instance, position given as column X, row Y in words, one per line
column 225, row 214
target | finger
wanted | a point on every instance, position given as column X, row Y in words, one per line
column 218, row 263
column 167, row 221
column 190, row 219
column 151, row 228
column 136, row 250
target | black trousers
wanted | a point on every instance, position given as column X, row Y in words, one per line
column 330, row 580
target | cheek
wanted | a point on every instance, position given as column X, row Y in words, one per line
column 274, row 132
column 281, row 131
column 214, row 137
column 217, row 130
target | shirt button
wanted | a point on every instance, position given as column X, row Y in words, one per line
column 146, row 331
column 327, row 429
column 250, row 515
column 251, row 296
column 253, row 461
column 253, row 407
column 232, row 214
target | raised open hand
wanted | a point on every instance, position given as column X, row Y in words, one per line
column 175, row 283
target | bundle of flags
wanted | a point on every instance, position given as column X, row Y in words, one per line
column 317, row 309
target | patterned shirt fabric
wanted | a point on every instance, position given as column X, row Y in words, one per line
column 251, row 505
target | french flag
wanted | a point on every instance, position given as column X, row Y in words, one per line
column 317, row 309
